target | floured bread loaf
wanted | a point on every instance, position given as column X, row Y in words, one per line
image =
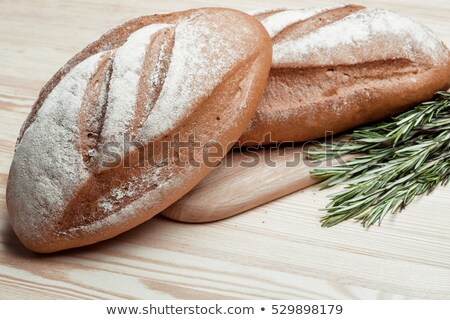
column 335, row 68
column 92, row 160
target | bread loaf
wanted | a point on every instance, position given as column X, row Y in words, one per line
column 92, row 160
column 335, row 68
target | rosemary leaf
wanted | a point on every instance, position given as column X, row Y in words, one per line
column 396, row 161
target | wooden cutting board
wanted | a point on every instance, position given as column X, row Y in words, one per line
column 244, row 180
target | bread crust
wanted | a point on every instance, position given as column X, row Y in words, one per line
column 336, row 68
column 140, row 80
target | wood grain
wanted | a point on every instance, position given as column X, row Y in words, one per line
column 274, row 251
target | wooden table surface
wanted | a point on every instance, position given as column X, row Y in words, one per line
column 275, row 251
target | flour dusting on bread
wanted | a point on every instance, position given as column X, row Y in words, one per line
column 277, row 22
column 123, row 85
column 48, row 167
column 191, row 76
column 404, row 38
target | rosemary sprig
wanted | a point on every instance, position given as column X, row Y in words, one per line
column 398, row 160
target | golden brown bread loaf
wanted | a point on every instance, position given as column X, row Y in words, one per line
column 75, row 180
column 335, row 68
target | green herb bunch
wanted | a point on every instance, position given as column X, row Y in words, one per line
column 397, row 160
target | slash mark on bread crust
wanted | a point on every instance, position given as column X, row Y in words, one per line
column 93, row 110
column 154, row 71
column 303, row 27
column 266, row 14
